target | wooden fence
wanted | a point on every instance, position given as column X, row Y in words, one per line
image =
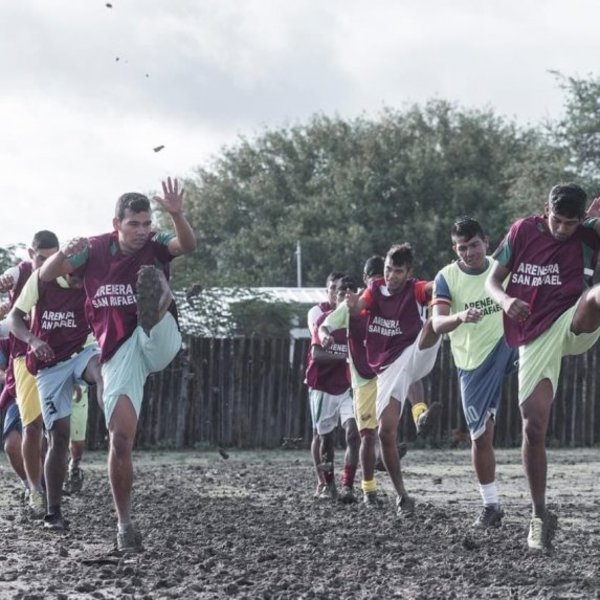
column 250, row 393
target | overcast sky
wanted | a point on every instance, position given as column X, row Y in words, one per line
column 78, row 126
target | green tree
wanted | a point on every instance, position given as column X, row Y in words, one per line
column 347, row 189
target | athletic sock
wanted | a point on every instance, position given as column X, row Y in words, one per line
column 328, row 477
column 368, row 486
column 348, row 473
column 54, row 510
column 417, row 410
column 123, row 526
column 489, row 493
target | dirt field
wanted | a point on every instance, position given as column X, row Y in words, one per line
column 247, row 527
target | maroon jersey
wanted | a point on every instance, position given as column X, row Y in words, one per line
column 9, row 393
column 547, row 274
column 17, row 346
column 110, row 279
column 395, row 320
column 59, row 320
column 329, row 377
column 357, row 330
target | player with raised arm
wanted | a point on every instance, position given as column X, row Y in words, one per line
column 132, row 313
column 551, row 310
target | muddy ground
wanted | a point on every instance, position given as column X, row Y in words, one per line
column 247, row 527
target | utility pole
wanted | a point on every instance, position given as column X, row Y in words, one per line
column 298, row 254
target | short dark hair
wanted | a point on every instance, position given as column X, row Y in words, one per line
column 347, row 282
column 333, row 276
column 568, row 200
column 132, row 201
column 44, row 240
column 401, row 255
column 373, row 266
column 467, row 227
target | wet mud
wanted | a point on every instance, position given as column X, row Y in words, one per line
column 248, row 527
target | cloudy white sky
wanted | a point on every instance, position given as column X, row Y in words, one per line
column 78, row 126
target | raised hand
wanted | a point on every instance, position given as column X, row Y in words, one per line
column 172, row 200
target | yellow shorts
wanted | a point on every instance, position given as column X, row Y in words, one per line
column 365, row 398
column 28, row 399
column 79, row 416
column 541, row 358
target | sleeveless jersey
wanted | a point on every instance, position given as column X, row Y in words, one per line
column 395, row 320
column 547, row 274
column 58, row 319
column 329, row 377
column 110, row 281
column 471, row 343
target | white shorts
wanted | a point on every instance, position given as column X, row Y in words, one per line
column 125, row 373
column 326, row 410
column 413, row 364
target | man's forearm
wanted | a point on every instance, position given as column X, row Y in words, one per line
column 184, row 233
column 54, row 266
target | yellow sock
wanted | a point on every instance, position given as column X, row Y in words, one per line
column 417, row 410
column 368, row 486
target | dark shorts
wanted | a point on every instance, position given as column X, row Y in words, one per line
column 481, row 388
column 12, row 420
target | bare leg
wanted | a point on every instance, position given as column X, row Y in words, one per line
column 368, row 439
column 536, row 413
column 352, row 443
column 12, row 448
column 56, row 462
column 122, row 428
column 388, row 428
column 482, row 454
column 32, row 452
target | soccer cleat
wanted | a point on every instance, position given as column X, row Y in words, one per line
column 329, row 492
column 74, row 481
column 371, row 500
column 130, row 541
column 347, row 495
column 541, row 532
column 490, row 516
column 426, row 422
column 54, row 522
column 149, row 292
column 36, row 504
column 405, row 507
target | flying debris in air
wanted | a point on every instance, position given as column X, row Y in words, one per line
column 117, row 59
column 158, row 148
column 108, row 5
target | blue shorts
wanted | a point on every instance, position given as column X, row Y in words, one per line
column 56, row 384
column 12, row 420
column 481, row 388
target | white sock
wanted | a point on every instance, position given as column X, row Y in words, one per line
column 489, row 493
column 123, row 527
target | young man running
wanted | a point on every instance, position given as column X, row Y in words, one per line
column 44, row 244
column 314, row 314
column 400, row 349
column 473, row 321
column 330, row 402
column 132, row 314
column 550, row 311
column 58, row 357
